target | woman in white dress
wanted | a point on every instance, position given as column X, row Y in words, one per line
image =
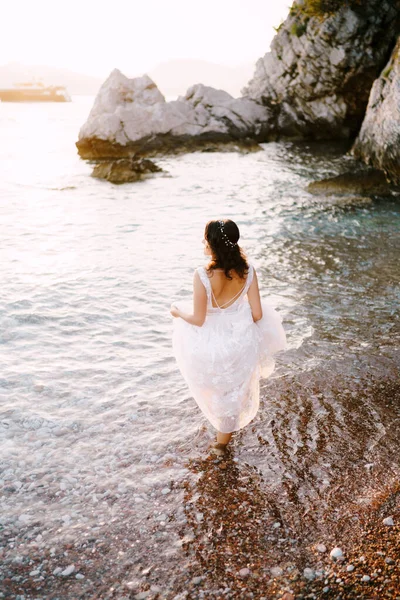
column 227, row 342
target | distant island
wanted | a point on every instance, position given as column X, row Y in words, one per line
column 172, row 77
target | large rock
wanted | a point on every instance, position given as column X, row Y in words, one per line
column 125, row 170
column 368, row 182
column 130, row 118
column 378, row 142
column 321, row 67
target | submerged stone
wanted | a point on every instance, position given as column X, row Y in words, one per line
column 125, row 170
column 371, row 181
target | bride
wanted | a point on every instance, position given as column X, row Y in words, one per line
column 227, row 341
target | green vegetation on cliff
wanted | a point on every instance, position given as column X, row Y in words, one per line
column 319, row 8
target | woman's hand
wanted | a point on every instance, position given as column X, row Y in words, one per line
column 174, row 311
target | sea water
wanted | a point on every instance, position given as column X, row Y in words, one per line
column 96, row 423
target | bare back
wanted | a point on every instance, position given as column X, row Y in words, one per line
column 224, row 290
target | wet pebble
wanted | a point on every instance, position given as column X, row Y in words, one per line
column 61, row 431
column 132, row 585
column 350, row 568
column 309, row 573
column 147, row 571
column 366, row 578
column 320, row 548
column 68, row 570
column 155, row 589
column 162, row 517
column 24, row 518
column 336, row 553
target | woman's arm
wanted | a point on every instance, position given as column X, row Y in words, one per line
column 253, row 294
column 199, row 304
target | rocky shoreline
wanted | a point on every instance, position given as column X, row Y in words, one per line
column 88, row 568
column 378, row 142
column 321, row 67
column 333, row 68
column 225, row 530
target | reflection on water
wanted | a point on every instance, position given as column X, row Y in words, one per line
column 100, row 437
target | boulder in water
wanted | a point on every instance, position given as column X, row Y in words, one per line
column 363, row 182
column 125, row 170
column 130, row 118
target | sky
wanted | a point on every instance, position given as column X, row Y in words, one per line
column 95, row 36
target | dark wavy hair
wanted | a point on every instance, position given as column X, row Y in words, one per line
column 224, row 255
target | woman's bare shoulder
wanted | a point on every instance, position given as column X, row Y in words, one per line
column 210, row 273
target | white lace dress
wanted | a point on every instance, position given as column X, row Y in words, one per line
column 222, row 361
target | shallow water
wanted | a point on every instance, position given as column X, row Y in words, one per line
column 97, row 426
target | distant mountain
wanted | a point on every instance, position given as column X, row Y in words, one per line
column 76, row 83
column 173, row 77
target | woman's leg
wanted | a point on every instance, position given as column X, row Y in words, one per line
column 223, row 438
column 219, row 447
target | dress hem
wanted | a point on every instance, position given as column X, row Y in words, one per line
column 231, row 430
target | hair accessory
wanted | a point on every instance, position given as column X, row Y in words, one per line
column 225, row 237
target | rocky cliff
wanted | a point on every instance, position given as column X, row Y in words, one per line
column 322, row 64
column 378, row 142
